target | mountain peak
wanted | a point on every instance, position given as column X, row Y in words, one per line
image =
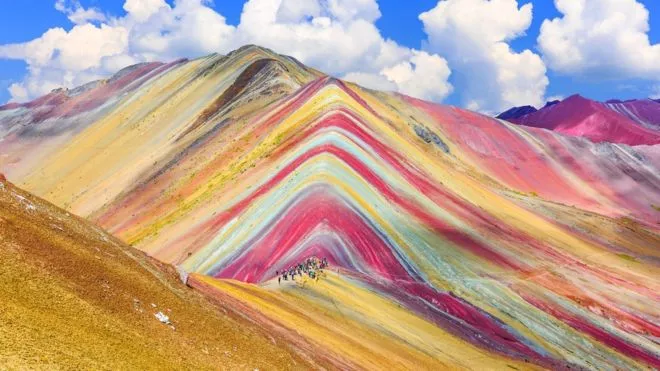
column 253, row 49
column 250, row 50
column 240, row 168
column 576, row 98
column 551, row 103
column 629, row 122
column 516, row 112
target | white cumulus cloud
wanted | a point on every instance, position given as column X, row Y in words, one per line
column 336, row 36
column 474, row 36
column 422, row 75
column 97, row 46
column 339, row 37
column 18, row 92
column 60, row 58
column 141, row 10
column 189, row 29
column 602, row 38
column 77, row 14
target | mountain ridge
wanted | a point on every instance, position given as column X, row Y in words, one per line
column 631, row 122
column 74, row 296
column 474, row 230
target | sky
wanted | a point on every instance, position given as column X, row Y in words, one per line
column 486, row 55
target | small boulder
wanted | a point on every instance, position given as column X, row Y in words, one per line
column 163, row 318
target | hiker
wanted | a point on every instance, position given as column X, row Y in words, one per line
column 311, row 267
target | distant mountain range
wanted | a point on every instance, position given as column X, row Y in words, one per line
column 632, row 122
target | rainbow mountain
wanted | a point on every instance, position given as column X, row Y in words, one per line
column 455, row 240
column 631, row 122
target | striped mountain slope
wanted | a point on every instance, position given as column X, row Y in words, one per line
column 455, row 239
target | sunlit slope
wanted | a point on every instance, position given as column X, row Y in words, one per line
column 517, row 242
column 30, row 132
column 342, row 188
column 165, row 118
column 342, row 320
column 74, row 297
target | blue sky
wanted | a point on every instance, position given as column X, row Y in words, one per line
column 25, row 20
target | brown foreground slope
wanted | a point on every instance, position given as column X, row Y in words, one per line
column 72, row 296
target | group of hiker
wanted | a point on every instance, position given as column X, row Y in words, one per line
column 311, row 267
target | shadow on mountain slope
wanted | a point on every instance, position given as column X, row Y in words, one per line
column 74, row 296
